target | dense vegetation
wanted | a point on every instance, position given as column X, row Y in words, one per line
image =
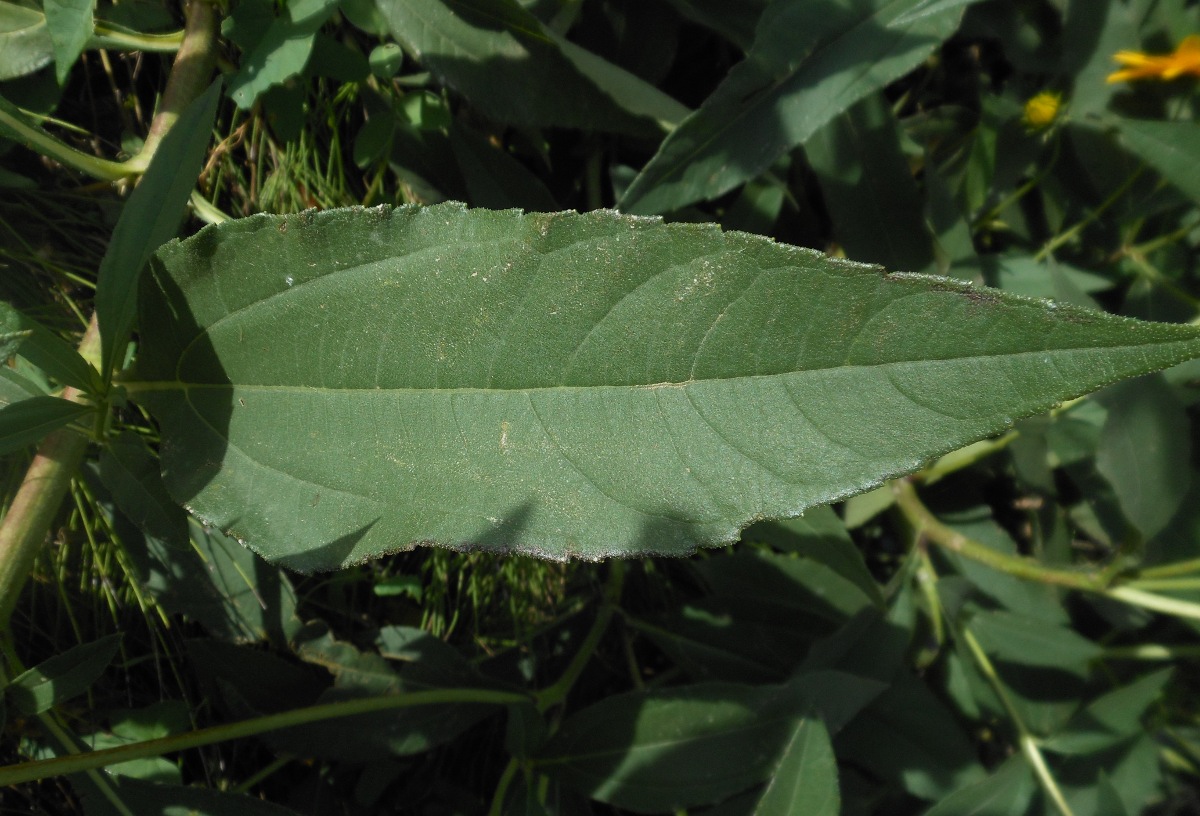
column 1006, row 628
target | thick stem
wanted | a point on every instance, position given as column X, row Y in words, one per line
column 24, row 528
column 925, row 523
column 190, row 75
column 1101, row 582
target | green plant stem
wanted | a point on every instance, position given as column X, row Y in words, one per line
column 1158, row 603
column 190, row 75
column 553, row 695
column 1099, row 581
column 1028, row 743
column 926, row 524
column 1152, row 651
column 965, row 457
column 1026, row 188
column 1066, row 235
column 108, row 36
column 1189, row 567
column 506, row 778
column 1186, row 584
column 39, row 141
column 42, row 769
column 25, row 526
column 59, row 456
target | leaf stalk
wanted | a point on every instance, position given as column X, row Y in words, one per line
column 42, row 769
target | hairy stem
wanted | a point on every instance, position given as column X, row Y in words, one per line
column 27, row 523
column 25, row 527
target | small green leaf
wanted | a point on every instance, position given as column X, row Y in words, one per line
column 494, row 178
column 1145, row 451
column 908, row 736
column 70, row 25
column 1109, row 719
column 1033, row 642
column 868, row 187
column 130, row 471
column 820, row 535
column 1171, row 148
column 149, row 219
column 189, row 800
column 385, row 60
column 25, row 44
column 46, row 350
column 809, row 62
column 1006, row 792
column 490, row 371
column 678, row 748
column 805, row 782
column 62, row 677
column 30, row 420
column 282, row 52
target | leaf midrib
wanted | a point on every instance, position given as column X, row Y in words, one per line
column 142, row 386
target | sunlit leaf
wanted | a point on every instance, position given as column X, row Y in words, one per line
column 332, row 386
column 809, row 62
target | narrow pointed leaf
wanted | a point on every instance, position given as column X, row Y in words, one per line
column 56, row 357
column 150, row 218
column 513, row 69
column 805, row 783
column 70, row 25
column 62, row 676
column 30, row 420
column 333, row 386
column 809, row 62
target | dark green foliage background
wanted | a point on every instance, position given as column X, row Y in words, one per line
column 833, row 663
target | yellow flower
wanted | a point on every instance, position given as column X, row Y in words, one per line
column 1041, row 110
column 1185, row 60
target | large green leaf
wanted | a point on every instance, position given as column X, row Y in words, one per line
column 809, row 62
column 333, row 386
